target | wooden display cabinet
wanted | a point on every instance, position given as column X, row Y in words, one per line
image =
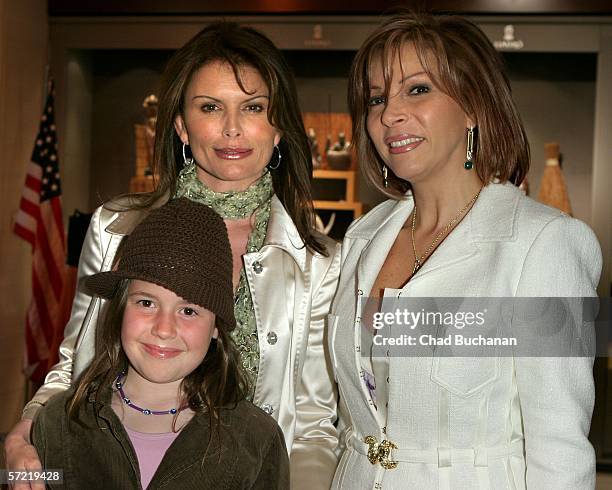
column 346, row 204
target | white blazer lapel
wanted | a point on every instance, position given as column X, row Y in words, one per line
column 382, row 237
column 491, row 219
column 457, row 247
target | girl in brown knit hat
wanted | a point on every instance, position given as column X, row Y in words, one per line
column 163, row 401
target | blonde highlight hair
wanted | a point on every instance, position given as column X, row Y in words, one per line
column 461, row 62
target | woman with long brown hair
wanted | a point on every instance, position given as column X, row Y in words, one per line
column 229, row 134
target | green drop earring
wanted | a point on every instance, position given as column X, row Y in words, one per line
column 469, row 153
column 385, row 175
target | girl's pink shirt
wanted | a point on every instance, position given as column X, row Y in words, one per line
column 150, row 450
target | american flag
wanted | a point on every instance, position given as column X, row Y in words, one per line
column 39, row 222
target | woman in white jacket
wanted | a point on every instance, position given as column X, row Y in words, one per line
column 437, row 131
column 229, row 134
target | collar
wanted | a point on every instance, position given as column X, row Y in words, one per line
column 282, row 232
column 103, row 406
column 492, row 218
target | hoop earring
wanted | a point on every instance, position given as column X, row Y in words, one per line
column 384, row 175
column 278, row 162
column 187, row 161
column 469, row 153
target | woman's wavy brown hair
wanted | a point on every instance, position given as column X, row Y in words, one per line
column 461, row 62
column 218, row 382
column 239, row 46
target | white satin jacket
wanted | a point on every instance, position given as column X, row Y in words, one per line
column 502, row 423
column 292, row 290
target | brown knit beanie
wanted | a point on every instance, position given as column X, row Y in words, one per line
column 182, row 246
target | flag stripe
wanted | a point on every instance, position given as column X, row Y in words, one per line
column 33, row 183
column 45, row 260
column 41, row 317
column 40, row 270
column 54, row 232
column 25, row 233
column 56, row 207
column 30, row 195
column 26, row 220
column 29, row 208
column 34, row 170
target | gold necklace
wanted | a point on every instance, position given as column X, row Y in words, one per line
column 418, row 261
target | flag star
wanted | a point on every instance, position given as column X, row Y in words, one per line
column 53, row 157
column 54, row 187
column 44, row 117
column 52, row 127
column 49, row 168
column 39, row 142
column 45, row 181
column 57, row 175
column 49, row 109
column 48, row 139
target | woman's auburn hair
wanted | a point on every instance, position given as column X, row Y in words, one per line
column 218, row 382
column 239, row 46
column 462, row 63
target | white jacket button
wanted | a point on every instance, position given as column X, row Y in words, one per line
column 272, row 338
column 257, row 267
column 269, row 409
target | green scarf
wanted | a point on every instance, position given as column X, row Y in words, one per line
column 237, row 205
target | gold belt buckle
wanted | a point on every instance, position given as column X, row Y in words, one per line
column 379, row 452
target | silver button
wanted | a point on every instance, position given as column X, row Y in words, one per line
column 257, row 267
column 272, row 338
column 269, row 409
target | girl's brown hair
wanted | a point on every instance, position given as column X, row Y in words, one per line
column 461, row 61
column 239, row 46
column 219, row 381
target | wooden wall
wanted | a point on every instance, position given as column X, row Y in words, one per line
column 23, row 55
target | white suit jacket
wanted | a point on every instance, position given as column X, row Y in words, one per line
column 292, row 293
column 469, row 423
